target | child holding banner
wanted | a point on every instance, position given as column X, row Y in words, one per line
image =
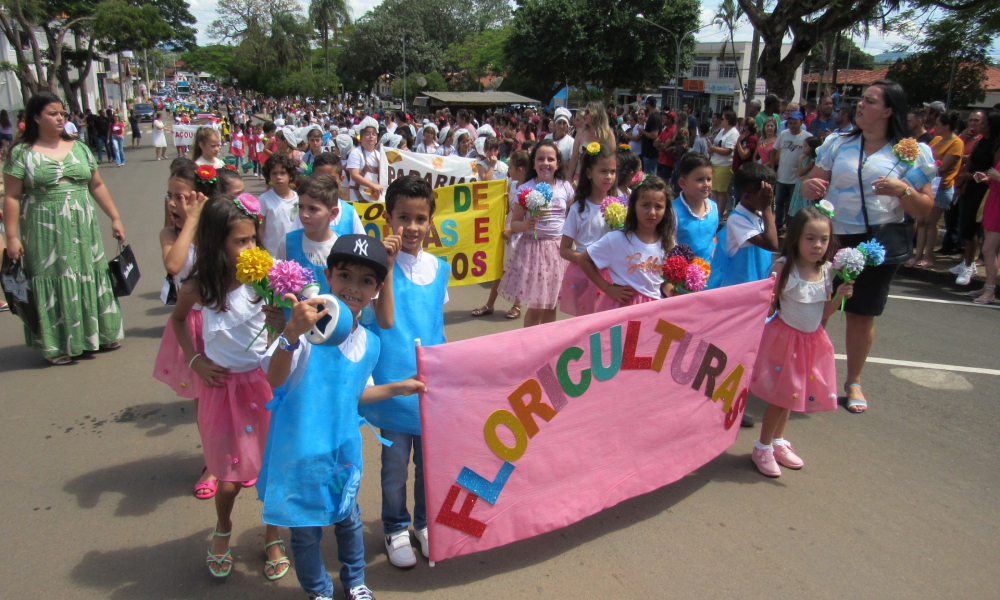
column 795, row 367
column 585, row 225
column 634, row 254
column 363, row 164
column 312, row 464
column 420, row 291
column 536, row 269
column 696, row 213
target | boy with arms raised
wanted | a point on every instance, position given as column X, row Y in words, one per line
column 312, row 462
column 420, row 288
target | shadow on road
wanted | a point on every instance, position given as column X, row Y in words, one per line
column 144, row 485
column 21, row 358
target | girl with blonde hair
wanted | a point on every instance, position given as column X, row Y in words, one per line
column 595, row 129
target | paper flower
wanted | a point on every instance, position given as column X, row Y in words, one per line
column 253, row 265
column 207, row 173
column 624, row 147
column 614, row 215
column 874, row 252
column 825, row 207
column 289, row 277
column 682, row 250
column 249, row 204
column 521, row 197
column 704, row 266
column 593, row 148
column 534, row 201
column 545, row 190
column 849, row 262
column 695, row 278
column 675, row 269
column 232, row 168
column 907, row 150
column 637, row 179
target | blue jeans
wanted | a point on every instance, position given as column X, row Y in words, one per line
column 309, row 566
column 649, row 165
column 782, row 197
column 103, row 144
column 395, row 468
column 118, row 144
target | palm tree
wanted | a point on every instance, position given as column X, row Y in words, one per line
column 728, row 15
column 289, row 41
column 326, row 16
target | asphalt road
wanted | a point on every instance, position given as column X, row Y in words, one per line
column 99, row 460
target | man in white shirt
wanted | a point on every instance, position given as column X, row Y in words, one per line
column 785, row 154
column 71, row 129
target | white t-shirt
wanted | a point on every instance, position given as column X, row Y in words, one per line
column 565, row 146
column 69, row 128
column 551, row 224
column 280, row 215
column 802, row 300
column 316, row 252
column 630, row 261
column 637, row 145
column 425, row 149
column 725, row 139
column 586, row 227
column 357, row 159
column 218, row 163
column 421, row 269
column 499, row 169
column 790, row 147
column 739, row 230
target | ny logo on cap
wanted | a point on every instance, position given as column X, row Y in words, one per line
column 361, row 247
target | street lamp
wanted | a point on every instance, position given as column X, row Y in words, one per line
column 677, row 55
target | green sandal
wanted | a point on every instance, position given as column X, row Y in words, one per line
column 224, row 561
column 855, row 406
column 275, row 575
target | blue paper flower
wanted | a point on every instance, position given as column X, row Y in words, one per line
column 545, row 190
column 874, row 252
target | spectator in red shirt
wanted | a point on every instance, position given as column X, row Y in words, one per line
column 665, row 162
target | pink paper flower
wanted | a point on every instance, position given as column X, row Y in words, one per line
column 249, row 203
column 289, row 277
column 695, row 279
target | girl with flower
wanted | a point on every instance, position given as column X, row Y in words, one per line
column 233, row 389
column 535, row 272
column 795, row 368
column 634, row 255
column 587, row 221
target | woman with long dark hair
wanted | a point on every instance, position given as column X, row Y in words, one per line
column 871, row 190
column 51, row 185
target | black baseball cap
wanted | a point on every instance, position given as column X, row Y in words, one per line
column 361, row 249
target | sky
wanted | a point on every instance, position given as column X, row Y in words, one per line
column 204, row 11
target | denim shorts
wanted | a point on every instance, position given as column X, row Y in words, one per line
column 944, row 197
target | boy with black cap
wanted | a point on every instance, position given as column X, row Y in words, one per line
column 312, row 462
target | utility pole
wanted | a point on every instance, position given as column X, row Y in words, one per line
column 404, row 73
column 951, row 80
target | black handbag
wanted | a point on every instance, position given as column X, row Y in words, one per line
column 124, row 271
column 896, row 238
column 171, row 291
column 17, row 291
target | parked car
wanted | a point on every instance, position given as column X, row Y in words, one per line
column 144, row 111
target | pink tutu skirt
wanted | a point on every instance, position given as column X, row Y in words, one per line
column 606, row 303
column 171, row 366
column 233, row 424
column 795, row 369
column 535, row 274
column 579, row 295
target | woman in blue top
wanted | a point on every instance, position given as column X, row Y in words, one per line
column 867, row 185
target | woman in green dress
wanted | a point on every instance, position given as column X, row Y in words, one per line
column 51, row 185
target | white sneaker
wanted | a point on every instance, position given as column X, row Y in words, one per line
column 422, row 538
column 965, row 277
column 400, row 551
column 360, row 592
column 957, row 269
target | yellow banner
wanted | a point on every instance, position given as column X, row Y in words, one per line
column 468, row 221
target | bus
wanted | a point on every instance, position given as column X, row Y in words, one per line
column 183, row 88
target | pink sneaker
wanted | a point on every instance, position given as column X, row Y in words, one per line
column 784, row 455
column 764, row 459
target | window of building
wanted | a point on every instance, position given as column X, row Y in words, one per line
column 728, row 70
column 700, row 68
column 723, row 101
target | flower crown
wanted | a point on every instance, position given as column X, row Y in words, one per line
column 825, row 207
column 593, row 148
column 207, row 173
column 250, row 206
column 624, row 147
column 638, row 179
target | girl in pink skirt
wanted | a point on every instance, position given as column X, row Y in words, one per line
column 584, row 226
column 233, row 389
column 795, row 368
column 536, row 270
column 634, row 255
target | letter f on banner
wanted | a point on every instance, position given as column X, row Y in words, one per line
column 460, row 520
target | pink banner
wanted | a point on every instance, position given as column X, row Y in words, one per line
column 530, row 430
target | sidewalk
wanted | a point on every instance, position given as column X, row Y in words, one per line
column 938, row 273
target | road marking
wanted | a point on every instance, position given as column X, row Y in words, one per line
column 936, row 301
column 923, row 365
